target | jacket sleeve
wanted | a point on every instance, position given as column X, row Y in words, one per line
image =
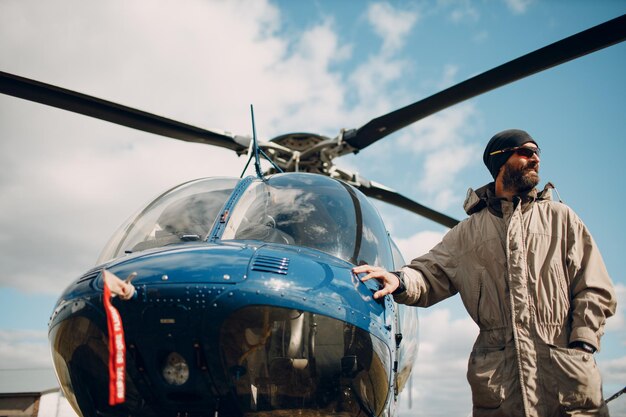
column 429, row 278
column 592, row 294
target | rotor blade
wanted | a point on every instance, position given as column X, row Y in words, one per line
column 583, row 43
column 390, row 196
column 39, row 92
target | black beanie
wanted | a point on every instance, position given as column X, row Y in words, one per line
column 506, row 139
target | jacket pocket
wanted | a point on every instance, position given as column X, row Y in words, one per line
column 577, row 378
column 485, row 372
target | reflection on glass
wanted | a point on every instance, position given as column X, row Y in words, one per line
column 80, row 355
column 286, row 362
column 184, row 213
column 312, row 211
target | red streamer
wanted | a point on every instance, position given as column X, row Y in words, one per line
column 117, row 351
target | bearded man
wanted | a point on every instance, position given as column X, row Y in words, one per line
column 533, row 280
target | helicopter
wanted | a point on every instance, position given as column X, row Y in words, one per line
column 222, row 338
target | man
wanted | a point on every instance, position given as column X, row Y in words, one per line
column 533, row 280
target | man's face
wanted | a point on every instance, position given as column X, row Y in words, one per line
column 521, row 173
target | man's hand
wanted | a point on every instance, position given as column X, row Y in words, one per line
column 124, row 289
column 389, row 281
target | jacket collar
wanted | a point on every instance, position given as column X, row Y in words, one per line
column 485, row 197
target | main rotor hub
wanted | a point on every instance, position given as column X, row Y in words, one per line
column 307, row 152
column 299, row 141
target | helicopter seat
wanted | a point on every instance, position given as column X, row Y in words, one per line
column 265, row 231
column 164, row 238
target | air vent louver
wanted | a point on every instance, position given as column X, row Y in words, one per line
column 271, row 264
column 89, row 275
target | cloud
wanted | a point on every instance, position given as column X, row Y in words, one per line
column 307, row 94
column 58, row 211
column 614, row 370
column 391, row 24
column 519, row 6
column 613, row 373
column 68, row 181
column 418, row 244
column 28, row 349
column 438, row 147
column 444, row 129
column 439, row 372
column 617, row 323
column 448, row 76
column 481, row 36
column 441, row 141
column 460, row 10
column 370, row 79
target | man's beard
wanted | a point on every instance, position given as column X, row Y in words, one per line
column 520, row 180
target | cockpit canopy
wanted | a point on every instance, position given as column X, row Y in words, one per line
column 312, row 211
column 294, row 209
column 182, row 214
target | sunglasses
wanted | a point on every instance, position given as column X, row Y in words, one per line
column 520, row 150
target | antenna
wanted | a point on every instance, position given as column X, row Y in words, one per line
column 254, row 151
column 257, row 161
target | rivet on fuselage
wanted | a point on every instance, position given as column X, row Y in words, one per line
column 226, row 277
column 164, row 278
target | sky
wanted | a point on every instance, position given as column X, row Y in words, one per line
column 67, row 181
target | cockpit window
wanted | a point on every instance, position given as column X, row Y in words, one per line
column 284, row 362
column 312, row 211
column 184, row 213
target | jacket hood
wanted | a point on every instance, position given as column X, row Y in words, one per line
column 485, row 197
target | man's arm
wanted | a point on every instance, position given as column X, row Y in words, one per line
column 423, row 282
column 591, row 289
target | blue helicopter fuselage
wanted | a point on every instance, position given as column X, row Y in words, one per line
column 246, row 305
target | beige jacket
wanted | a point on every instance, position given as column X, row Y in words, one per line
column 533, row 280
